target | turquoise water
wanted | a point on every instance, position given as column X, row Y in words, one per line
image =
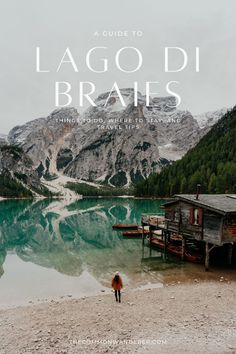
column 49, row 249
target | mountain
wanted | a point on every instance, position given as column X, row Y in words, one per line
column 17, row 175
column 208, row 119
column 3, row 139
column 123, row 156
column 42, row 139
column 109, row 143
column 211, row 163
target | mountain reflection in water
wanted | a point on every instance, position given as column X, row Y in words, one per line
column 72, row 238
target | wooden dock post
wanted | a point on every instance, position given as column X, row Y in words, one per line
column 165, row 243
column 150, row 241
column 230, row 253
column 142, row 241
column 183, row 248
column 207, row 257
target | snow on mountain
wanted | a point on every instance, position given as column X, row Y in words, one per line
column 3, row 139
column 208, row 119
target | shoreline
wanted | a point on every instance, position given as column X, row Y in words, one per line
column 189, row 318
column 171, row 281
column 61, row 298
column 87, row 197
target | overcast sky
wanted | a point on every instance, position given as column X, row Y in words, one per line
column 55, row 25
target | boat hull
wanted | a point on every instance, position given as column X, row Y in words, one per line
column 135, row 233
column 175, row 250
column 125, row 226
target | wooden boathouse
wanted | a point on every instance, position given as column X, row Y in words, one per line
column 208, row 219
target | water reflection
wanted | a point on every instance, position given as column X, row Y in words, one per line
column 76, row 237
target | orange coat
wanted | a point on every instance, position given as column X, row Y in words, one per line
column 115, row 285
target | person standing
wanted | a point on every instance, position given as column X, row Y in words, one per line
column 117, row 285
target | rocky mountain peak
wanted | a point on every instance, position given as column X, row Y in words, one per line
column 208, row 119
column 17, row 168
column 43, row 138
column 3, row 139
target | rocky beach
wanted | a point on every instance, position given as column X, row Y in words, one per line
column 197, row 317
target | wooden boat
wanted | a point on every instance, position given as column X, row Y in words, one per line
column 177, row 239
column 156, row 242
column 135, row 233
column 125, row 226
column 175, row 250
column 194, row 258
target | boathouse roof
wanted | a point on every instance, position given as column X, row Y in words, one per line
column 222, row 203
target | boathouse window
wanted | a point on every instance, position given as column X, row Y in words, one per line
column 196, row 215
column 230, row 221
column 176, row 215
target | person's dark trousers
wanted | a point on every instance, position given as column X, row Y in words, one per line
column 117, row 295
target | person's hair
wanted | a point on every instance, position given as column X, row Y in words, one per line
column 116, row 278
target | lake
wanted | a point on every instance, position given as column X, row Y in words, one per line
column 51, row 250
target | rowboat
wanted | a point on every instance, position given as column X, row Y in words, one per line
column 175, row 250
column 135, row 233
column 125, row 226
